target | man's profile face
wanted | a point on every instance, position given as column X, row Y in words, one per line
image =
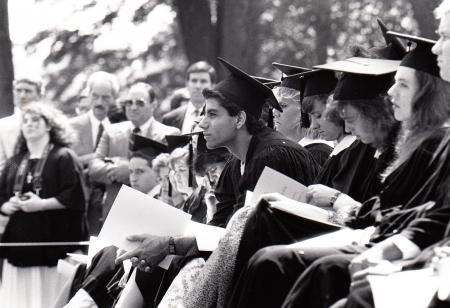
column 442, row 47
column 219, row 128
column 195, row 84
column 24, row 93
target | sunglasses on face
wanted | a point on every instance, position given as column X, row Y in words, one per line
column 137, row 102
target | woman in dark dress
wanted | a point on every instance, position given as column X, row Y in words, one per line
column 41, row 190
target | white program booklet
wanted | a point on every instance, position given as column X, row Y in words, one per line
column 134, row 213
column 273, row 181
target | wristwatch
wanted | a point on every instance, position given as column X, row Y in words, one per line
column 171, row 247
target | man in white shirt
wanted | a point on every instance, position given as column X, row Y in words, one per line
column 199, row 76
column 25, row 90
column 102, row 91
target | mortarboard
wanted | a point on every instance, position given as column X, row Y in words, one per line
column 318, row 82
column 291, row 78
column 148, row 147
column 179, row 141
column 245, row 91
column 420, row 58
column 394, row 49
column 362, row 78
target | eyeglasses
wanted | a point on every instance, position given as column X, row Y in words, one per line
column 138, row 102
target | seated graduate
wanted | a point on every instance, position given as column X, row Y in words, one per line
column 318, row 85
column 99, row 287
column 332, row 128
column 233, row 108
column 160, row 165
column 208, row 166
column 419, row 97
column 142, row 175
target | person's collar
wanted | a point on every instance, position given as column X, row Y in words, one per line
column 94, row 121
column 345, row 143
column 144, row 127
column 307, row 141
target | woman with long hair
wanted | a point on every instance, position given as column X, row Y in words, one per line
column 41, row 190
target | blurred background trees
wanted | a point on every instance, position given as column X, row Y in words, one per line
column 155, row 40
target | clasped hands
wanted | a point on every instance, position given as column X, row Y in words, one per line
column 31, row 203
column 151, row 251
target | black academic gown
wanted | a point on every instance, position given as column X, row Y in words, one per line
column 356, row 170
column 422, row 226
column 358, row 176
column 267, row 148
column 320, row 151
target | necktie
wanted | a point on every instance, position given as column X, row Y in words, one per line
column 99, row 135
column 135, row 132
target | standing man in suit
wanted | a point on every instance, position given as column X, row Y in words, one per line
column 102, row 89
column 199, row 76
column 111, row 166
column 25, row 90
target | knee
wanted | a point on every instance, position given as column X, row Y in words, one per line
column 269, row 259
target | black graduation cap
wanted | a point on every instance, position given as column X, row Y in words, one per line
column 148, row 147
column 318, row 82
column 420, row 58
column 179, row 141
column 244, row 90
column 271, row 83
column 362, row 78
column 291, row 78
column 394, row 49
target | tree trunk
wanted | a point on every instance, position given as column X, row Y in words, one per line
column 197, row 32
column 322, row 12
column 239, row 32
column 423, row 13
column 6, row 65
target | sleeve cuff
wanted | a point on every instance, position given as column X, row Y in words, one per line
column 409, row 249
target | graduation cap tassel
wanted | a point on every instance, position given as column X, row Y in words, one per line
column 170, row 190
column 191, row 163
column 271, row 120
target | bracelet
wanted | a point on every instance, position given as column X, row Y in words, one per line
column 334, row 198
column 171, row 247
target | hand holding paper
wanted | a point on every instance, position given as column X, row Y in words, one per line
column 151, row 251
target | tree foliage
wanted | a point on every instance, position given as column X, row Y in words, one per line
column 250, row 33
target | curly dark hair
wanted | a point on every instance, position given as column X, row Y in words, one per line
column 378, row 111
column 254, row 125
column 61, row 134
